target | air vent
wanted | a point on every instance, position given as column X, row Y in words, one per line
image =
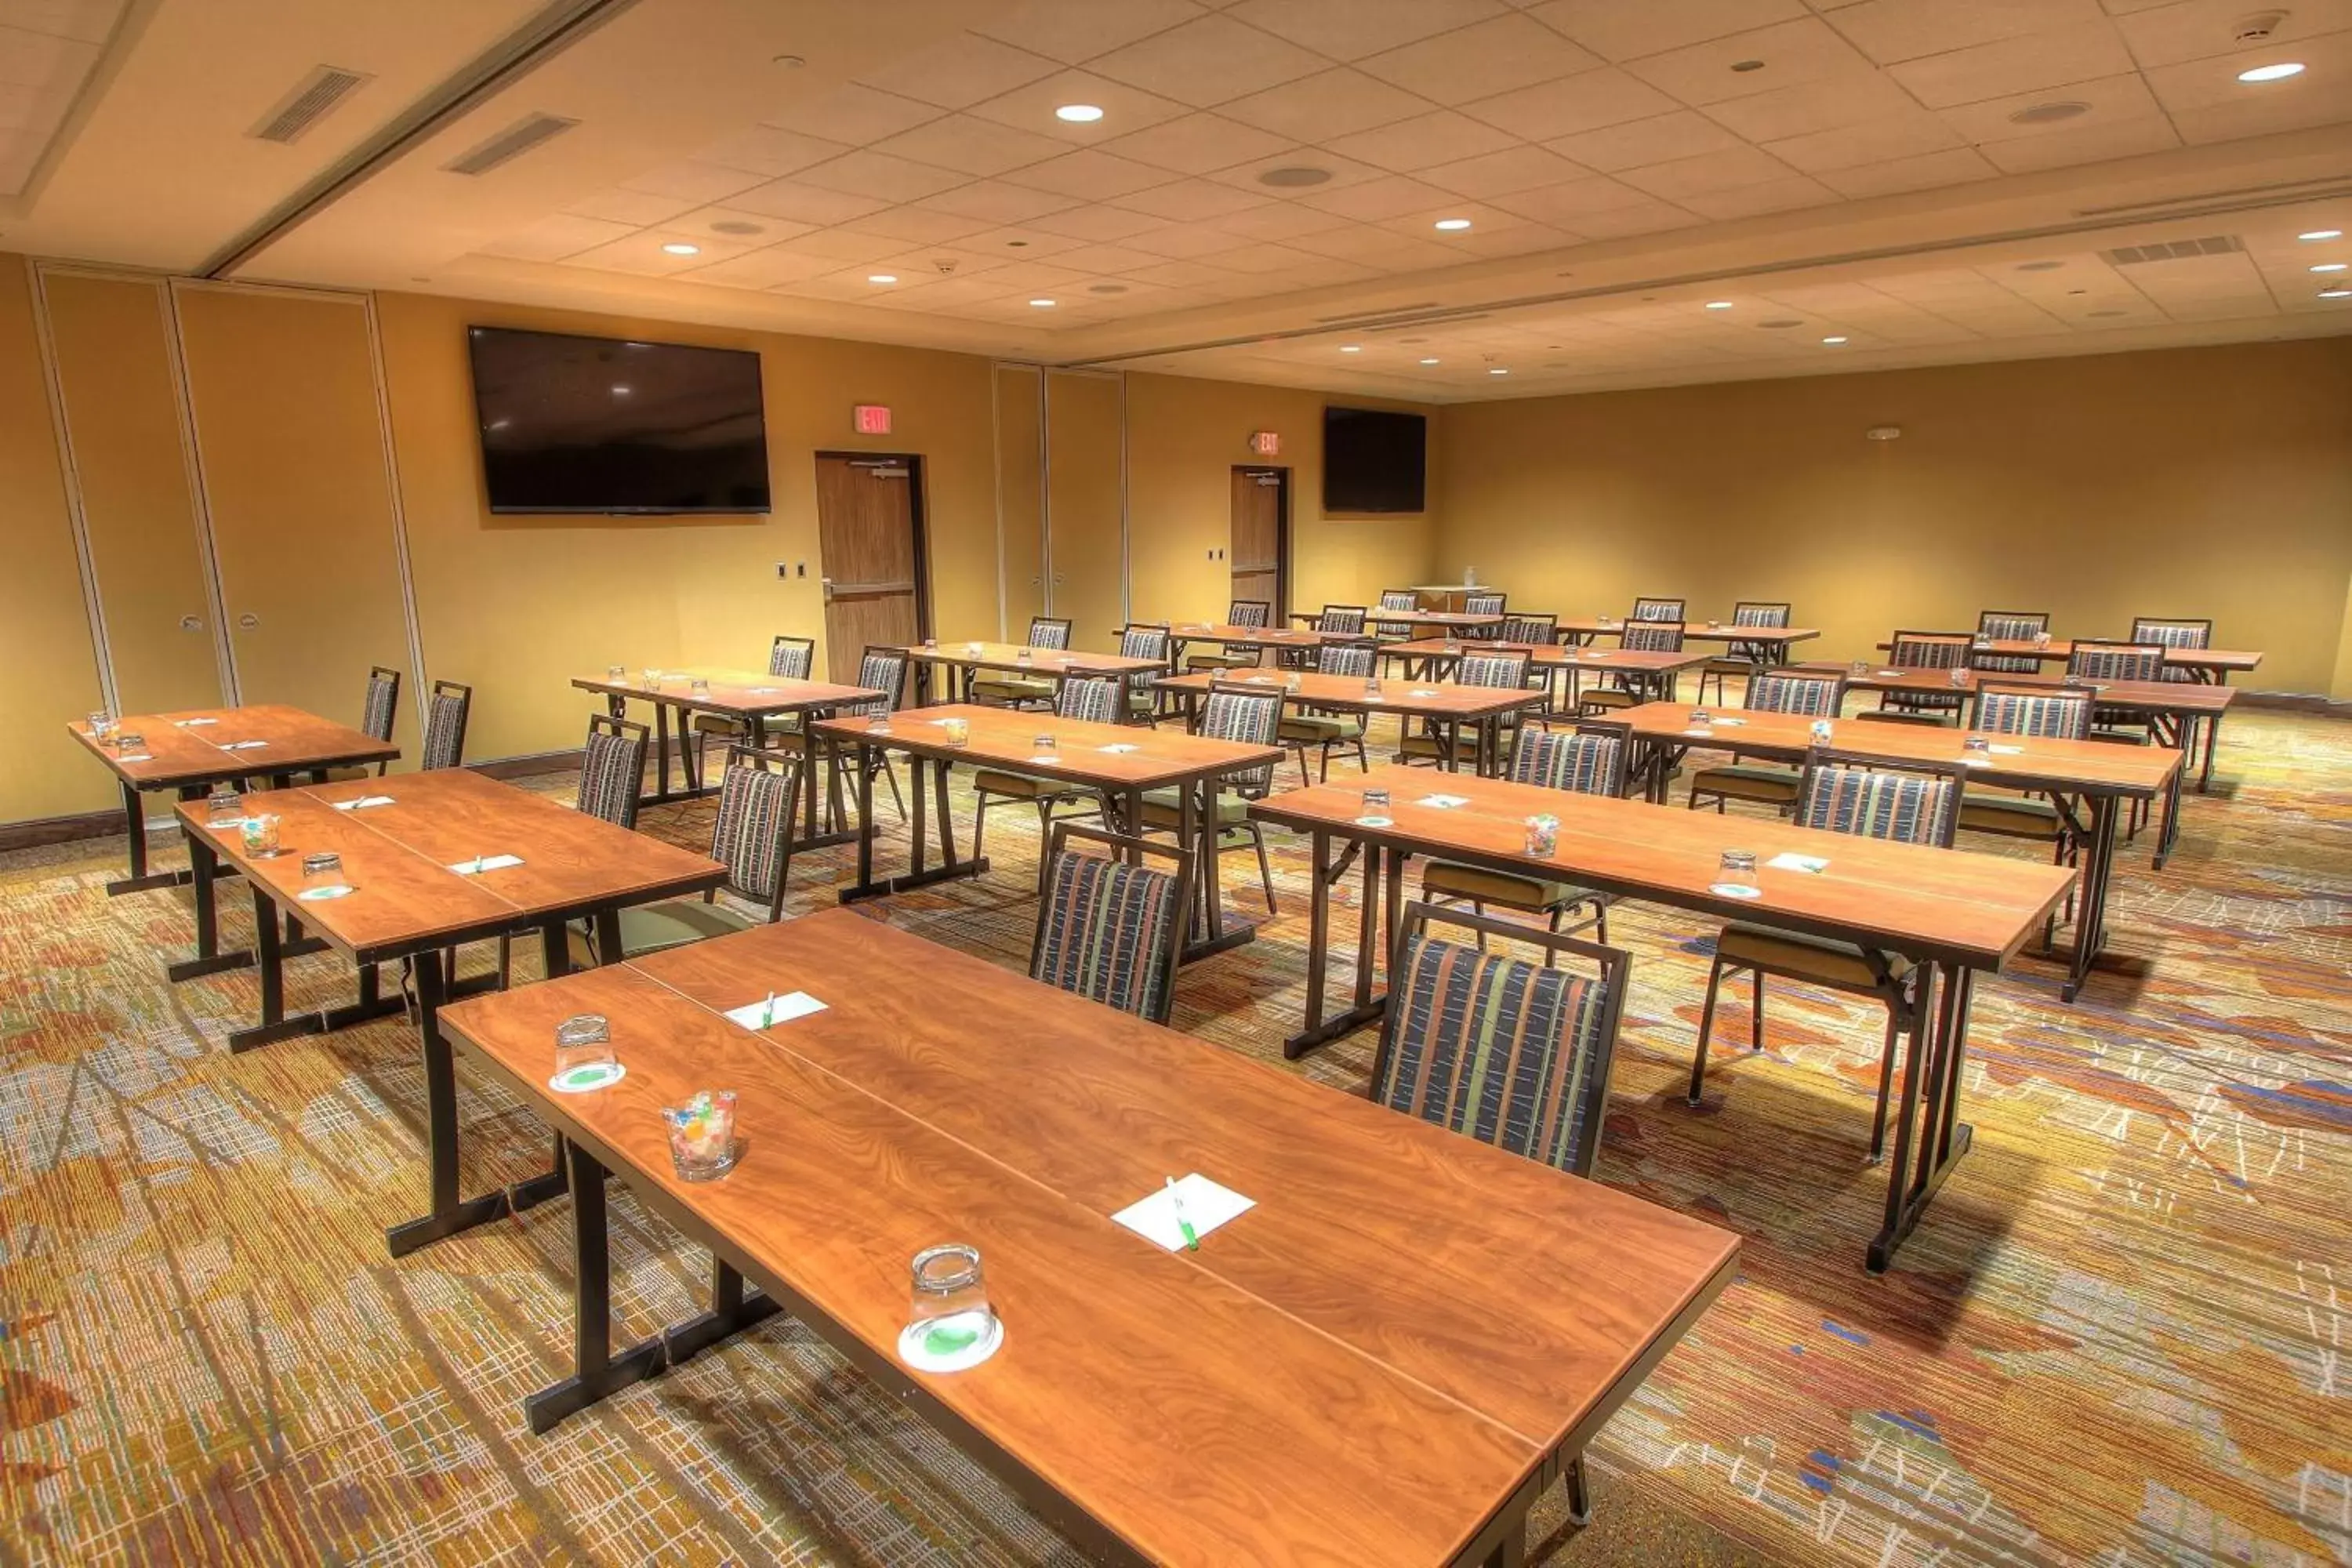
column 313, row 97
column 510, row 143
column 2174, row 250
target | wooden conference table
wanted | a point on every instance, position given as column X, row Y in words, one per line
column 1953, row 912
column 189, row 752
column 410, row 901
column 1120, row 761
column 747, row 697
column 1584, row 628
column 1384, row 1360
column 1419, row 620
column 1291, row 641
column 1650, row 671
column 961, row 662
column 2099, row 776
column 1447, row 707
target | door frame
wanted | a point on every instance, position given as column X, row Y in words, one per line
column 917, row 514
column 1281, row 538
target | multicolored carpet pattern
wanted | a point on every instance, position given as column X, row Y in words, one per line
column 2118, row 1340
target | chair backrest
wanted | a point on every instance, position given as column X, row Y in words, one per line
column 883, row 669
column 2173, row 632
column 1094, row 698
column 1109, row 928
column 381, row 704
column 1524, row 625
column 752, row 835
column 2047, row 712
column 1652, row 636
column 613, row 768
column 1144, row 640
column 1248, row 613
column 1657, row 610
column 1400, row 599
column 1345, row 658
column 792, row 659
column 1928, row 650
column 1249, row 714
column 1346, row 619
column 1757, row 613
column 1811, row 694
column 1505, row 668
column 2009, row 626
column 1045, row 631
column 1589, row 759
column 444, row 725
column 2095, row 658
column 1497, row 1048
column 1880, row 798
column 1483, row 604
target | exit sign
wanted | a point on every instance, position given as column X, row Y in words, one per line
column 871, row 419
column 1265, row 443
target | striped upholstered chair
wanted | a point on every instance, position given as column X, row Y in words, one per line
column 1870, row 797
column 1647, row 609
column 1394, row 599
column 752, row 836
column 880, row 668
column 1010, row 686
column 1745, row 659
column 2009, row 626
column 613, row 768
column 444, row 725
column 1503, row 667
column 1252, row 716
column 789, row 658
column 1806, row 693
column 1541, row 628
column 1304, row 727
column 1924, row 650
column 1484, row 603
column 378, row 708
column 1109, row 928
column 1498, row 1049
column 1145, row 639
column 1643, row 635
column 1252, row 613
column 1348, row 620
column 1089, row 699
column 2032, row 712
column 2172, row 632
column 1591, row 759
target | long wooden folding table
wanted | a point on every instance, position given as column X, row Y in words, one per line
column 1953, row 912
column 410, row 901
column 1420, row 621
column 962, row 663
column 2101, row 777
column 1384, row 1360
column 1119, row 761
column 1446, row 706
column 1562, row 665
column 1287, row 642
column 1582, row 629
column 747, row 697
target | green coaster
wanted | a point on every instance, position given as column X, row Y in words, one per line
column 587, row 1076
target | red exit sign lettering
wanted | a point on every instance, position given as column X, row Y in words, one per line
column 1265, row 443
column 871, row 419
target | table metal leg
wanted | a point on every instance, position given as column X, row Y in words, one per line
column 555, row 950
column 596, row 1370
column 1931, row 1089
column 731, row 1311
column 449, row 1215
column 2098, row 860
column 204, row 869
column 1367, row 1008
column 926, row 795
column 140, row 878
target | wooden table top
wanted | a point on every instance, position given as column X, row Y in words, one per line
column 186, row 748
column 739, row 691
column 398, row 857
column 2193, row 697
column 1145, row 757
column 1376, row 617
column 2070, row 767
column 2234, row 660
column 1049, row 662
column 1431, row 698
column 1949, row 904
column 1383, row 1348
column 1265, row 636
column 1695, row 631
column 1557, row 655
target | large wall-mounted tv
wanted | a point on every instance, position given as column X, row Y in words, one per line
column 608, row 425
column 1374, row 460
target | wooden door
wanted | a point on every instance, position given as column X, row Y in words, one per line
column 1258, row 550
column 870, row 539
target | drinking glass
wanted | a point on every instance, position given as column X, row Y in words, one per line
column 614, row 674
column 101, row 726
column 949, row 1311
column 2042, row 638
column 1021, row 655
column 224, row 808
column 1714, row 626
column 1372, row 686
column 260, row 835
column 322, row 877
column 702, row 1135
column 1700, row 717
column 1735, row 877
column 959, row 731
column 1959, row 675
column 653, row 678
column 697, row 686
column 1862, row 667
column 1376, row 807
column 1042, row 749
column 1976, row 749
column 1821, row 732
column 584, row 1053
column 128, row 742
column 1982, row 639
column 879, row 724
column 1543, row 835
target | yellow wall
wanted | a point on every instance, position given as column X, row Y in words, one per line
column 45, row 640
column 2198, row 482
column 1184, row 438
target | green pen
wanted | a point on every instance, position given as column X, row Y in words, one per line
column 1176, row 1202
column 768, row 1014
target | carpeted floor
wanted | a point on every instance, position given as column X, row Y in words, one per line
column 2119, row 1340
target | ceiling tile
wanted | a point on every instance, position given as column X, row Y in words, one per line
column 1075, row 30
column 1125, row 108
column 1106, row 258
column 1616, row 31
column 1380, row 247
column 763, row 268
column 635, row 208
column 2093, row 143
column 1190, row 201
column 1343, row 171
column 1197, row 143
column 690, row 181
column 933, row 264
column 1334, row 103
column 971, row 145
column 937, row 294
column 2118, row 98
column 1793, row 52
column 1351, row 29
column 1715, row 171
column 1891, row 30
column 1486, row 221
column 704, row 222
column 1803, row 109
column 1682, row 134
column 1568, row 203
column 2083, row 53
column 1479, row 61
column 2212, row 83
column 642, row 254
column 996, row 202
column 842, row 245
column 774, row 152
column 89, row 21
column 1499, row 173
column 1279, row 220
column 1512, row 239
column 920, row 227
column 1207, row 62
column 1024, row 243
column 1437, row 138
column 1391, row 196
column 870, row 173
column 2266, row 115
column 855, row 115
column 1584, row 101
column 1182, row 241
column 805, row 203
column 1909, row 134
column 1097, row 225
column 1753, row 197
column 961, row 72
column 1180, row 274
column 1953, row 166
column 1089, row 175
column 1261, row 258
column 2202, row 28
column 554, row 238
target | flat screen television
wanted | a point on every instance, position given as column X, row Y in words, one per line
column 606, row 424
column 1374, row 460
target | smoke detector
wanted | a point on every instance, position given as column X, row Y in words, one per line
column 946, row 264
column 2258, row 27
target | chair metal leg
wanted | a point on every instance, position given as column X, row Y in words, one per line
column 1264, row 871
column 1705, row 1029
column 979, row 820
column 890, row 777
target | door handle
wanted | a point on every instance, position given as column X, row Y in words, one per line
column 192, row 624
column 249, row 620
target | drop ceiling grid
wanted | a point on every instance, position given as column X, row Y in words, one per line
column 1495, row 101
column 48, row 50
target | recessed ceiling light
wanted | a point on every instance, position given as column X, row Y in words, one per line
column 1452, row 224
column 1293, row 174
column 1078, row 113
column 790, row 62
column 620, row 392
column 2278, row 72
column 881, row 277
column 2329, row 267
column 1042, row 304
column 2048, row 113
column 1833, row 340
column 1748, row 65
column 2336, row 293
column 2313, row 235
column 1351, row 348
column 1499, row 370
column 1718, row 304
column 1429, row 362
column 679, row 248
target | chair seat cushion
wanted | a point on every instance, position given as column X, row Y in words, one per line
column 1818, row 959
column 728, row 724
column 1743, row 780
column 1013, row 688
column 988, row 780
column 349, row 775
column 1897, row 716
column 1609, row 697
column 1312, row 727
column 1448, row 879
column 1208, row 661
column 1431, row 746
column 1728, row 666
column 2019, row 815
column 1160, row 808
column 652, row 928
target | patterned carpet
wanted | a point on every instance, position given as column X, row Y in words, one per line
column 2119, row 1340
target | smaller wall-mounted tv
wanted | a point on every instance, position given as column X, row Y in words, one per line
column 1374, row 460
column 616, row 425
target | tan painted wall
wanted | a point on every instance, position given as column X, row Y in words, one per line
column 44, row 640
column 1184, row 438
column 2207, row 481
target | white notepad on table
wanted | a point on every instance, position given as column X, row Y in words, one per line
column 484, row 863
column 779, row 1009
column 1206, row 1205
